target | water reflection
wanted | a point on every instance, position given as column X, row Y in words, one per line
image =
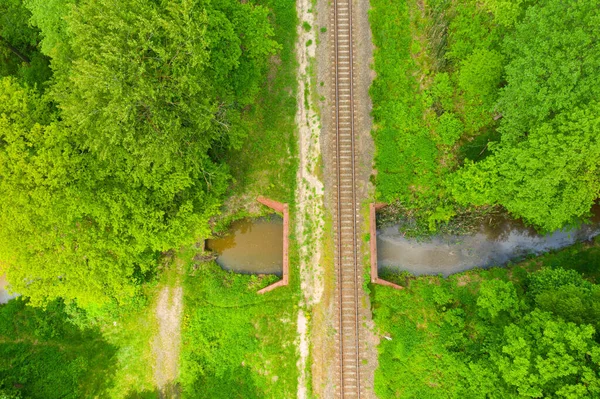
column 497, row 242
column 252, row 246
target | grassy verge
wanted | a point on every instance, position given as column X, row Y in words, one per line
column 132, row 335
column 456, row 337
column 266, row 163
column 236, row 343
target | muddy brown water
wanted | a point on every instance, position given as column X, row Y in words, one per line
column 251, row 246
column 497, row 242
column 4, row 295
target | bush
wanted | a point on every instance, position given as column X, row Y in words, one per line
column 449, row 128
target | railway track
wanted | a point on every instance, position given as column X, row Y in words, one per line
column 348, row 271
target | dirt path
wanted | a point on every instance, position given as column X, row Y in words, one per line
column 166, row 344
column 309, row 195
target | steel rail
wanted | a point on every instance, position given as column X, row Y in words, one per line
column 349, row 371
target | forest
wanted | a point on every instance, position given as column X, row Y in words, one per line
column 480, row 108
column 483, row 105
column 115, row 121
column 528, row 330
column 129, row 130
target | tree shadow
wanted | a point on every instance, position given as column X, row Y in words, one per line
column 45, row 356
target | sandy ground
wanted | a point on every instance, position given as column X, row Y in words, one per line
column 166, row 344
column 309, row 196
column 323, row 327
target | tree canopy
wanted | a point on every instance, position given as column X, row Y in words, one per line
column 19, row 39
column 118, row 160
column 544, row 168
column 487, row 104
column 500, row 333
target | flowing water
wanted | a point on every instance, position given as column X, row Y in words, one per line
column 252, row 246
column 4, row 295
column 495, row 244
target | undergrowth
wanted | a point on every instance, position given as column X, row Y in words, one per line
column 452, row 337
column 438, row 74
column 266, row 163
column 236, row 343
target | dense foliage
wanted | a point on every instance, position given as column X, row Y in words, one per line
column 545, row 166
column 120, row 158
column 516, row 332
column 122, row 150
column 19, row 51
column 487, row 103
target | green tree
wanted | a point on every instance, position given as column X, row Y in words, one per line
column 49, row 16
column 496, row 296
column 126, row 168
column 566, row 294
column 50, row 244
column 545, row 167
column 19, row 53
column 15, row 33
column 550, row 179
column 542, row 356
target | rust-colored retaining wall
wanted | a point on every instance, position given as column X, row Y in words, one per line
column 373, row 244
column 283, row 208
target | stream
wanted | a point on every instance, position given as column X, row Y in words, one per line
column 496, row 243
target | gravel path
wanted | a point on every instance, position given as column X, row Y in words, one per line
column 323, row 355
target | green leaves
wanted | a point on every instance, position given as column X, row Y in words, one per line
column 544, row 357
column 553, row 62
column 118, row 163
column 550, row 179
column 524, row 71
column 496, row 296
column 480, row 334
column 480, row 76
column 545, row 168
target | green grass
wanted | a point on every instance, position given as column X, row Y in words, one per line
column 64, row 352
column 406, row 155
column 236, row 343
column 266, row 163
column 132, row 334
column 435, row 330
